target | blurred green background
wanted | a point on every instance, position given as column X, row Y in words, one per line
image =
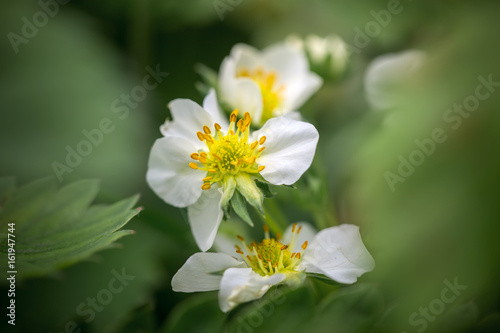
column 439, row 224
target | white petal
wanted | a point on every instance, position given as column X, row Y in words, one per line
column 245, row 56
column 197, row 272
column 225, row 244
column 293, row 73
column 188, row 119
column 307, row 233
column 211, row 105
column 248, row 98
column 169, row 174
column 387, row 74
column 294, row 115
column 300, row 91
column 227, row 78
column 339, row 253
column 239, row 285
column 290, row 64
column 290, row 147
column 205, row 217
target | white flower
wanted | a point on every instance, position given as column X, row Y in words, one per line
column 387, row 76
column 202, row 159
column 267, row 83
column 336, row 252
column 329, row 55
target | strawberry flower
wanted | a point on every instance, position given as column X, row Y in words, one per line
column 268, row 83
column 203, row 159
column 337, row 253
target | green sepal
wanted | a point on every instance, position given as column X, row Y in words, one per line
column 240, row 208
column 265, row 189
column 208, row 75
column 247, row 187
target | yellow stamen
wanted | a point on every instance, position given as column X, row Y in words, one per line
column 193, row 165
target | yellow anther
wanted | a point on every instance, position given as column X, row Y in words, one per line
column 266, row 228
column 202, row 160
column 239, row 124
column 240, row 252
column 201, row 136
column 206, row 129
column 304, row 246
column 253, row 145
column 206, row 179
column 233, row 116
column 193, row 165
column 297, row 255
column 216, row 156
column 298, row 230
column 247, row 119
column 217, row 127
column 208, row 137
column 293, row 227
column 203, row 154
column 212, row 170
column 261, row 149
column 240, row 238
column 250, row 160
column 206, row 186
column 262, row 167
column 284, row 247
column 195, row 156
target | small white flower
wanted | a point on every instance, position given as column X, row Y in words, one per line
column 336, row 252
column 387, row 76
column 328, row 55
column 267, row 83
column 202, row 159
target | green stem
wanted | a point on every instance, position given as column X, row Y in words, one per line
column 273, row 217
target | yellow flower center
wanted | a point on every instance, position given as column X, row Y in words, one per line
column 230, row 154
column 272, row 93
column 271, row 256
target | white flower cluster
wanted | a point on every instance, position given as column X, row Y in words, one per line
column 206, row 158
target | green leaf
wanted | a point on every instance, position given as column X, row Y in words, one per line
column 58, row 227
column 240, row 207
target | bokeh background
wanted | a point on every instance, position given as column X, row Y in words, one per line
column 440, row 224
